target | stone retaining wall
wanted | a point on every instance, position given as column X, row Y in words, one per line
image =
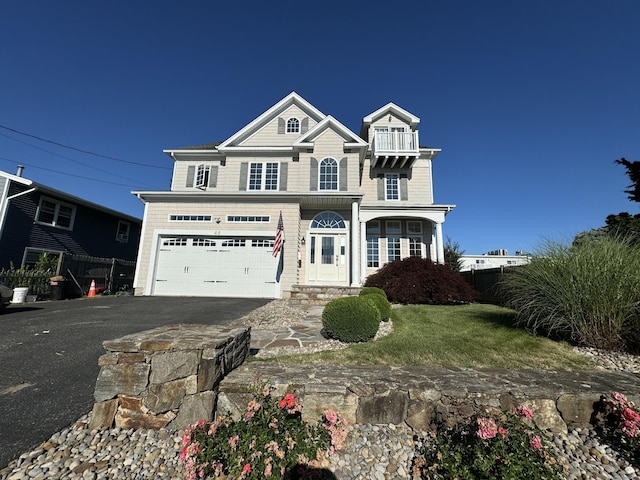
column 424, row 398
column 176, row 375
column 165, row 377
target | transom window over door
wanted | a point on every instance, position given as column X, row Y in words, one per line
column 328, row 220
column 263, row 176
column 328, row 174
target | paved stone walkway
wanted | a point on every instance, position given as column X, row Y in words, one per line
column 305, row 333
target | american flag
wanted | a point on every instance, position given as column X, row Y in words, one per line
column 277, row 246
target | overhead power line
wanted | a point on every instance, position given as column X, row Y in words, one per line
column 71, row 174
column 81, row 150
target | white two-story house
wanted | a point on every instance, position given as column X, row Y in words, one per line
column 349, row 204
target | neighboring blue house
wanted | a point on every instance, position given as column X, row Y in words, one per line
column 35, row 219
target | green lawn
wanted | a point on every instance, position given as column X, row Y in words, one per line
column 461, row 336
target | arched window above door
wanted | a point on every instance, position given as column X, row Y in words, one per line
column 328, row 220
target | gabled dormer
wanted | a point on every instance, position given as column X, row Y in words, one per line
column 392, row 133
column 277, row 128
column 350, row 141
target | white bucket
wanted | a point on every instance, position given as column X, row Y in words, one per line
column 20, row 295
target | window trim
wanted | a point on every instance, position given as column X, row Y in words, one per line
column 263, row 177
column 389, row 185
column 123, row 237
column 334, row 166
column 373, row 251
column 39, row 251
column 290, row 123
column 395, row 238
column 56, row 213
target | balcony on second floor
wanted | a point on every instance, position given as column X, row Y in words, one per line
column 394, row 149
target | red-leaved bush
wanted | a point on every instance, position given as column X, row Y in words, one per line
column 416, row 280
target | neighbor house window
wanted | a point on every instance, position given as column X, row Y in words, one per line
column 122, row 234
column 392, row 186
column 293, row 125
column 33, row 255
column 263, row 176
column 328, row 174
column 56, row 213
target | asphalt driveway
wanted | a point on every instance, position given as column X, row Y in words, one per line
column 49, row 355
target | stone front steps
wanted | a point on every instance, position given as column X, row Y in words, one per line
column 319, row 295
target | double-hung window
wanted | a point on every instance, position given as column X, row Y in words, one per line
column 373, row 244
column 414, row 232
column 394, row 230
column 122, row 235
column 328, row 174
column 263, row 176
column 57, row 214
column 392, row 186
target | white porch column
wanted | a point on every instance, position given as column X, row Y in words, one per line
column 439, row 244
column 355, row 244
column 363, row 249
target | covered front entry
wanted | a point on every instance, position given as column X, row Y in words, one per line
column 327, row 261
column 215, row 267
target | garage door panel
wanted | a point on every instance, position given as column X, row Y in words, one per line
column 197, row 266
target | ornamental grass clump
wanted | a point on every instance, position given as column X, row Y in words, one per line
column 618, row 422
column 499, row 446
column 587, row 293
column 271, row 440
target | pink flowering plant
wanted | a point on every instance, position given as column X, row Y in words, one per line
column 495, row 446
column 268, row 442
column 618, row 421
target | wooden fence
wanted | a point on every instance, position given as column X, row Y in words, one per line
column 73, row 276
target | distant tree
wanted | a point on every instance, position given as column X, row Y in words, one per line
column 623, row 224
column 453, row 254
column 590, row 236
column 633, row 171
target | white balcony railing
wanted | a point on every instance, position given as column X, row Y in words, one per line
column 395, row 143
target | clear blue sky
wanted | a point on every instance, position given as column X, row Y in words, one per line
column 530, row 101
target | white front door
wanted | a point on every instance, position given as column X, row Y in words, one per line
column 327, row 253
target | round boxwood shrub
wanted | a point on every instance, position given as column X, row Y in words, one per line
column 351, row 319
column 380, row 301
column 372, row 290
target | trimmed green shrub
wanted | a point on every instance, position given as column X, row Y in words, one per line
column 380, row 301
column 351, row 319
column 372, row 290
column 416, row 280
column 587, row 293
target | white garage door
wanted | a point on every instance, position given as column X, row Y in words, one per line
column 216, row 267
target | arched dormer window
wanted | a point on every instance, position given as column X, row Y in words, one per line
column 327, row 220
column 293, row 125
column 328, row 174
